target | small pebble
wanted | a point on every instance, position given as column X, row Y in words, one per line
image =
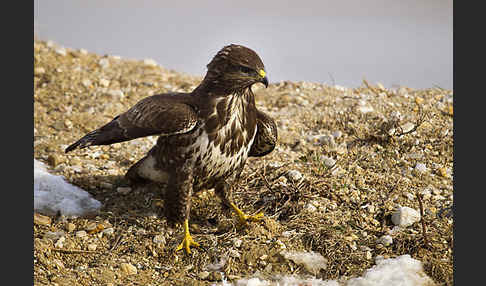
column 42, row 219
column 407, row 127
column 324, row 139
column 365, row 109
column 386, row 240
column 310, row 207
column 54, row 235
column 53, row 160
column 337, row 134
column 92, row 247
column 419, row 100
column 128, row 269
column 150, row 62
column 294, row 175
column 123, row 190
column 104, row 63
column 420, row 168
column 405, row 216
column 159, row 239
column 328, row 162
column 60, row 242
column 86, row 83
column 369, row 255
column 39, row 70
column 70, row 227
column 104, row 82
column 237, row 242
column 106, row 185
column 116, row 94
column 81, row 234
column 61, row 51
column 203, row 275
column 108, row 231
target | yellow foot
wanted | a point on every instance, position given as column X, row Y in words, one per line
column 244, row 218
column 187, row 242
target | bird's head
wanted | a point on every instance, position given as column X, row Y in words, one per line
column 235, row 68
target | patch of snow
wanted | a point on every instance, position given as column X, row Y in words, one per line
column 52, row 194
column 399, row 271
column 312, row 261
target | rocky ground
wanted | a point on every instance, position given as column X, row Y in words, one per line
column 352, row 173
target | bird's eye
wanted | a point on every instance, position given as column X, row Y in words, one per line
column 246, row 70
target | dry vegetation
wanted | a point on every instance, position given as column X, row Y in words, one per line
column 356, row 149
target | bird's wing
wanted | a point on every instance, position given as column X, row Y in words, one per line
column 266, row 136
column 158, row 115
column 162, row 114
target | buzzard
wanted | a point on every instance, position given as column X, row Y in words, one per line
column 205, row 136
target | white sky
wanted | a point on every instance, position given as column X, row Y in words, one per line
column 392, row 42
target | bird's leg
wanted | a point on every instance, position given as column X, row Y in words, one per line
column 178, row 203
column 223, row 190
column 187, row 242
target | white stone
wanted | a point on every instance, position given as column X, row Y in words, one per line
column 128, row 268
column 108, row 231
column 328, row 161
column 365, row 109
column 405, row 216
column 237, row 242
column 159, row 239
column 81, row 234
column 61, row 51
column 39, row 70
column 420, row 168
column 123, row 190
column 104, row 63
column 116, row 94
column 104, row 82
column 86, row 82
column 337, row 134
column 312, row 261
column 294, row 175
column 60, row 242
column 386, row 240
column 407, row 127
column 150, row 62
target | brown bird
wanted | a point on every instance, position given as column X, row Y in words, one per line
column 205, row 136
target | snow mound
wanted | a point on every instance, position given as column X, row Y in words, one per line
column 52, row 194
column 399, row 271
column 288, row 280
column 312, row 261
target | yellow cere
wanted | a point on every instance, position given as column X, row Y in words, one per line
column 262, row 73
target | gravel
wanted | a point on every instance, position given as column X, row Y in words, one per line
column 350, row 204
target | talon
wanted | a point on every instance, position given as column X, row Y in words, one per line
column 244, row 218
column 187, row 242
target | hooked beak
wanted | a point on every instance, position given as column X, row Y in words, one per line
column 264, row 78
column 265, row 81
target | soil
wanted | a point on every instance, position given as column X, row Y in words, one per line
column 346, row 159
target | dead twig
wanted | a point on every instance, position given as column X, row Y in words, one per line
column 117, row 242
column 422, row 220
column 73, row 251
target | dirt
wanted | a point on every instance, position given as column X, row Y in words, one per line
column 356, row 149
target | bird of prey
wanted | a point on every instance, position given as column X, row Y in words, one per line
column 205, row 136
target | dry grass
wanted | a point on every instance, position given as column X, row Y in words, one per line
column 338, row 211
